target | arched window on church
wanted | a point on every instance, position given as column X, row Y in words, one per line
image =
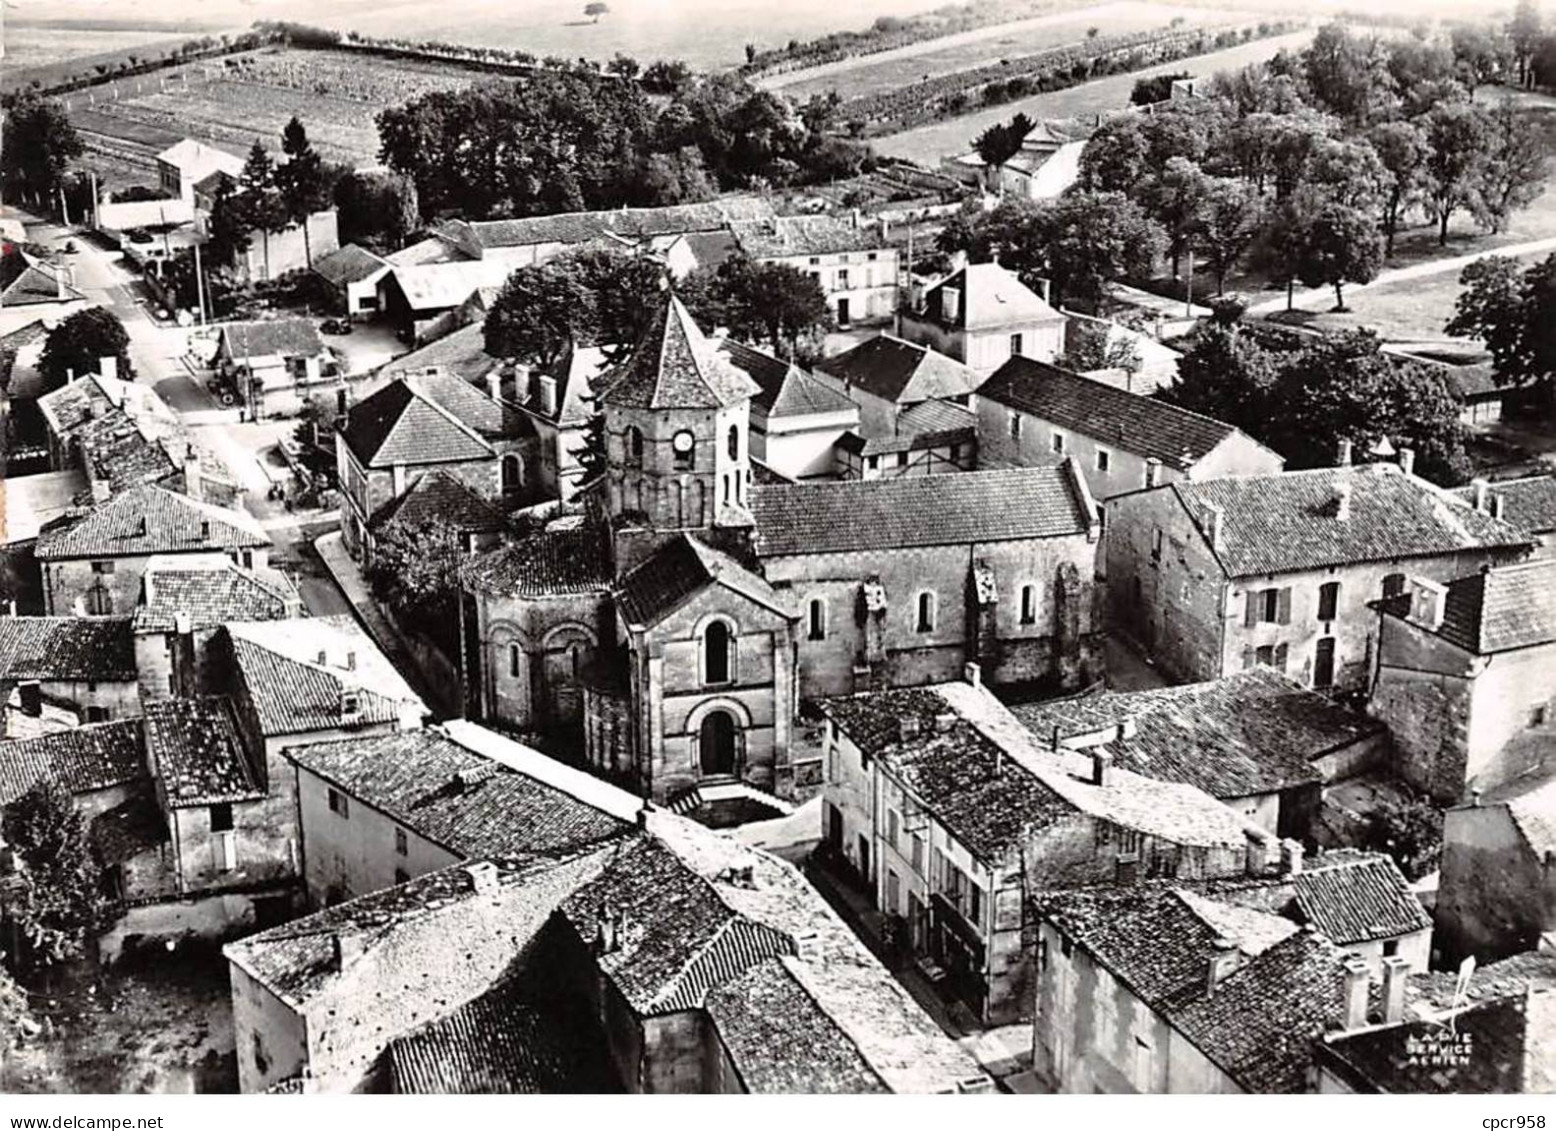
column 634, row 444
column 718, row 653
column 512, row 476
column 818, row 619
column 926, row 612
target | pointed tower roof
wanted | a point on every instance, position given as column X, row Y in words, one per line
column 675, row 366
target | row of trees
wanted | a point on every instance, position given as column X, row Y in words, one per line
column 567, row 141
column 1300, row 396
column 268, row 197
column 1311, row 164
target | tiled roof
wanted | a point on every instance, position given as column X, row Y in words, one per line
column 1283, row 523
column 782, row 1039
column 934, row 417
column 433, row 249
column 196, row 754
column 901, row 372
column 212, row 590
column 1486, row 1050
column 1159, row 940
column 293, row 692
column 991, row 298
column 440, row 286
column 26, row 280
column 785, row 388
column 548, row 563
column 1144, row 426
column 1263, row 1022
column 349, row 264
column 134, row 826
column 93, row 395
column 633, row 223
column 82, row 759
column 674, row 366
column 422, row 420
column 1531, row 803
column 466, row 802
column 440, row 496
column 503, row 1042
column 151, row 520
column 1529, row 503
column 283, row 337
column 785, row 236
column 1253, row 732
column 931, row 510
column 1497, row 610
column 67, row 648
column 462, row 354
column 1358, row 900
column 1515, row 976
column 681, row 568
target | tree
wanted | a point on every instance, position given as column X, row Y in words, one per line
column 300, row 181
column 1229, row 222
column 1155, row 88
column 1339, row 245
column 1347, row 172
column 1114, row 159
column 59, row 903
column 596, row 9
column 1513, row 176
column 761, row 303
column 593, row 460
column 377, row 208
column 1480, row 54
column 1401, row 149
column 624, row 66
column 679, row 177
column 1002, row 141
column 230, row 225
column 1345, row 74
column 539, row 313
column 1225, row 373
column 79, row 343
column 1525, row 34
column 1409, row 830
column 1513, row 311
column 1092, row 346
column 37, row 145
column 1175, row 199
column 415, row 571
column 262, row 208
column 1457, row 138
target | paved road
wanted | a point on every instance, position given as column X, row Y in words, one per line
column 1317, row 296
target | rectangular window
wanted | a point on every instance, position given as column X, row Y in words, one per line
column 926, row 612
column 818, row 620
column 515, row 661
column 1028, row 604
column 902, row 459
column 1015, row 345
column 339, row 805
column 1393, row 585
column 1015, row 425
column 401, row 843
column 917, row 853
column 1390, row 948
column 221, row 818
column 102, row 567
column 893, row 892
column 97, row 714
column 893, row 827
column 1323, row 662
column 1538, row 715
column 1058, row 441
column 1104, row 460
column 975, row 905
column 1269, row 605
column 1328, row 600
column 842, row 278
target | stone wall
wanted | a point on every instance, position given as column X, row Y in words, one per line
column 1495, row 897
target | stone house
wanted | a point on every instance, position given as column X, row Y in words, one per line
column 59, row 672
column 1497, row 892
column 796, row 419
column 1256, row 740
column 275, row 366
column 1528, row 503
column 855, row 266
column 1219, row 575
column 100, row 763
column 886, row 376
column 983, row 315
column 951, row 814
column 1165, row 989
column 1031, row 413
column 931, row 438
column 431, row 422
column 1466, row 678
column 93, row 564
column 350, row 276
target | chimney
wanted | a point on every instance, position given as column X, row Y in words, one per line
column 1479, row 487
column 1153, row 471
column 1126, row 868
column 346, row 949
column 908, row 727
column 101, row 490
column 1407, row 460
column 482, row 875
column 1257, row 858
column 324, row 658
column 547, row 395
column 944, row 721
column 1290, row 858
column 494, row 384
column 607, row 929
column 1101, row 767
column 1343, row 454
column 1428, row 604
column 807, row 946
column 1342, row 501
column 1497, row 507
column 1396, row 972
column 351, row 661
column 1223, row 960
column 972, row 673
column 194, row 485
column 1210, row 524
column 1355, row 990
column 183, row 623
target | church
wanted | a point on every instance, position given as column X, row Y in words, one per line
column 673, row 626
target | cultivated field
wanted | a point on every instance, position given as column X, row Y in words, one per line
column 927, row 144
column 889, row 70
column 233, row 102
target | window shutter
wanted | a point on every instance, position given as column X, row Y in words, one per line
column 1283, row 615
column 1247, row 657
column 1280, row 657
column 1251, row 616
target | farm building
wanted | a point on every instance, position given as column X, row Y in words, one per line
column 117, row 220
column 183, row 166
column 272, row 363
column 349, row 277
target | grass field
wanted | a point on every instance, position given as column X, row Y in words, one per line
column 336, row 95
column 927, row 144
column 888, row 70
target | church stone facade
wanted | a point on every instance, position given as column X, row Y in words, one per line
column 673, row 628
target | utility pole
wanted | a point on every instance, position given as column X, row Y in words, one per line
column 1188, row 290
column 199, row 283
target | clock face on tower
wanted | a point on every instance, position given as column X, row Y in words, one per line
column 682, row 442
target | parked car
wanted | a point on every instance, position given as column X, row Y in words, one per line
column 335, row 326
column 138, row 236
